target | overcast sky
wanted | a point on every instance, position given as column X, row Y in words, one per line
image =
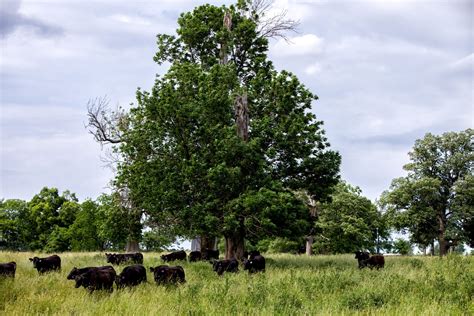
column 386, row 73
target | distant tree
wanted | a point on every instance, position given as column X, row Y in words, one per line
column 47, row 216
column 435, row 199
column 115, row 223
column 15, row 224
column 84, row 232
column 349, row 222
column 403, row 247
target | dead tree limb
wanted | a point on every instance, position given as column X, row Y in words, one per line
column 103, row 124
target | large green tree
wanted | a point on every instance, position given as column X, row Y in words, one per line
column 434, row 201
column 186, row 159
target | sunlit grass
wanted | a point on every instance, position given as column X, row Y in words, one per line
column 290, row 285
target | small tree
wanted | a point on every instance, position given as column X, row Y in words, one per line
column 403, row 247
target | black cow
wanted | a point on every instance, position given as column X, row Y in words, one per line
column 168, row 275
column 257, row 264
column 46, row 264
column 96, row 279
column 177, row 255
column 194, row 256
column 8, row 269
column 253, row 254
column 375, row 261
column 119, row 258
column 221, row 266
column 209, row 254
column 131, row 276
column 75, row 271
column 361, row 257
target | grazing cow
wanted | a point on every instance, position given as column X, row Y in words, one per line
column 46, row 264
column 256, row 264
column 221, row 266
column 75, row 271
column 96, row 279
column 168, row 275
column 209, row 254
column 253, row 254
column 131, row 276
column 177, row 255
column 119, row 258
column 361, row 257
column 194, row 256
column 8, row 269
column 376, row 261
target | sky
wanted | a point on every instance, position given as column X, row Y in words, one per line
column 386, row 73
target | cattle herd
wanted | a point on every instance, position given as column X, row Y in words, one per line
column 104, row 277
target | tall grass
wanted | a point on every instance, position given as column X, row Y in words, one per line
column 291, row 285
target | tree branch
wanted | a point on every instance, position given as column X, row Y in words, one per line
column 105, row 125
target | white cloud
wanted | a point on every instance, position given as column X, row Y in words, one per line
column 385, row 76
column 305, row 45
column 313, row 69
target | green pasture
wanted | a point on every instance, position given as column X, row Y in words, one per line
column 292, row 285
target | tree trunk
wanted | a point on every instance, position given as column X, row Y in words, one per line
column 309, row 245
column 234, row 246
column 242, row 116
column 432, row 250
column 208, row 243
column 132, row 246
column 443, row 245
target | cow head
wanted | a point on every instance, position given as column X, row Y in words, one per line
column 248, row 264
column 35, row 261
column 111, row 258
column 360, row 255
column 72, row 275
column 160, row 273
column 119, row 280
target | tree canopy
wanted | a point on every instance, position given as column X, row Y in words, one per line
column 435, row 199
column 184, row 162
column 350, row 222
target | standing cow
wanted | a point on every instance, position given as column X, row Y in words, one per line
column 8, row 269
column 51, row 263
column 257, row 264
column 365, row 260
column 221, row 266
column 177, row 255
column 96, row 279
column 131, row 276
column 209, row 254
column 194, row 256
column 119, row 258
column 164, row 274
column 75, row 271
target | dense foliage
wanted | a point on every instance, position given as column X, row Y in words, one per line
column 350, row 222
column 52, row 222
column 184, row 163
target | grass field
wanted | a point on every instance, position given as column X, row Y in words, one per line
column 292, row 285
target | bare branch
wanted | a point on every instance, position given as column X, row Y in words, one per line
column 274, row 26
column 104, row 124
column 111, row 159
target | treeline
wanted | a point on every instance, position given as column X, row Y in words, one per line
column 54, row 222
